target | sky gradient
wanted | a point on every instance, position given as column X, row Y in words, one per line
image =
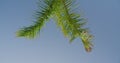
column 51, row 46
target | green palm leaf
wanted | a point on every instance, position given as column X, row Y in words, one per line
column 69, row 21
column 42, row 16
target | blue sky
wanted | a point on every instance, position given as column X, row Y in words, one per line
column 52, row 47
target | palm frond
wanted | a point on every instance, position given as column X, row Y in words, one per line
column 70, row 22
column 42, row 16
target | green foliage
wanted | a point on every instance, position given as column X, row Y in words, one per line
column 69, row 21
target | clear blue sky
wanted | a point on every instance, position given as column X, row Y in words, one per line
column 51, row 47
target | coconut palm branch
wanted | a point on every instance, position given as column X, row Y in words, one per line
column 69, row 21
